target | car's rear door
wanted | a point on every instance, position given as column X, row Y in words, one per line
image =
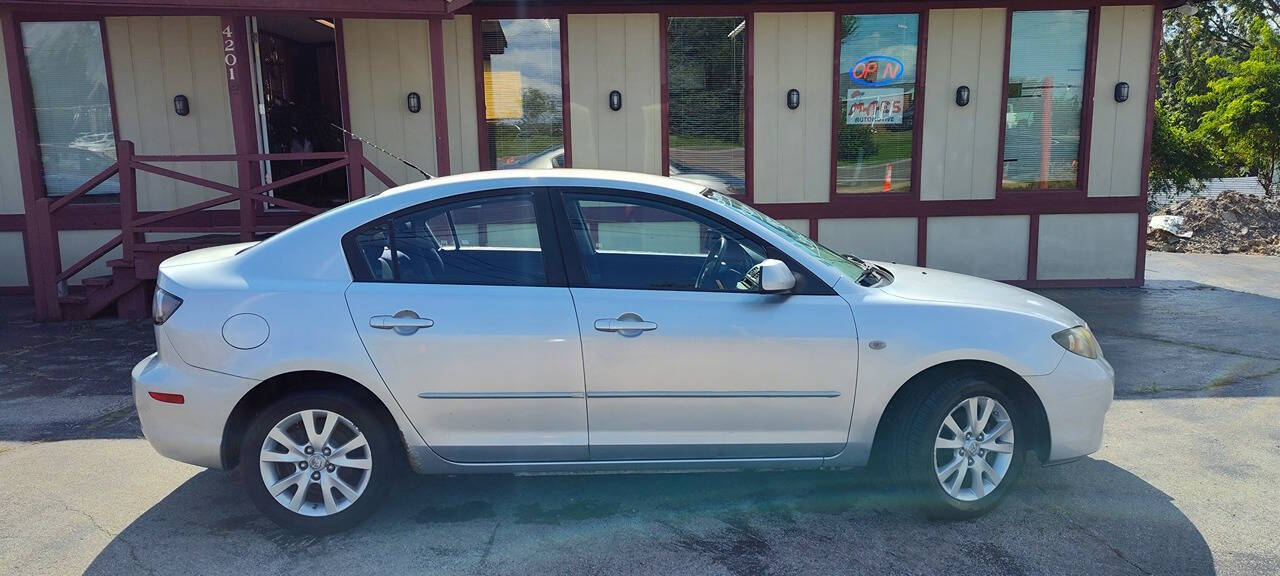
column 463, row 307
column 683, row 363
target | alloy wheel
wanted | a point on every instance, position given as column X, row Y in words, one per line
column 315, row 463
column 973, row 448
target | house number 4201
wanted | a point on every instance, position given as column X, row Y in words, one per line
column 229, row 52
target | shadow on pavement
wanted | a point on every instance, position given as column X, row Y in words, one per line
column 1088, row 517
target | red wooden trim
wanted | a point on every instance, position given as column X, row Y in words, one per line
column 876, row 208
column 917, row 128
column 1086, row 108
column 837, row 109
column 566, row 120
column 242, row 117
column 128, row 197
column 87, row 186
column 353, row 148
column 90, row 258
column 1073, row 283
column 15, row 290
column 111, row 82
column 379, row 174
column 664, row 95
column 482, row 124
column 813, row 229
column 1033, row 247
column 922, row 241
column 305, row 174
column 552, row 9
column 239, row 157
column 439, row 98
column 1153, row 82
column 248, row 197
column 364, row 8
column 13, row 222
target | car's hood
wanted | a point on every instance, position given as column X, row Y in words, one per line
column 929, row 285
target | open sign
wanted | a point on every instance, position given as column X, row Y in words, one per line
column 876, row 71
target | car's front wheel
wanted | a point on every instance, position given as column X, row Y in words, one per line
column 316, row 462
column 960, row 449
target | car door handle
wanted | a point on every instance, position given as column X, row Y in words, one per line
column 403, row 322
column 627, row 324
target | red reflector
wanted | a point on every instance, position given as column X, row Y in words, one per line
column 169, row 398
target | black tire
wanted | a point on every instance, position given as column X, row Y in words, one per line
column 909, row 456
column 381, row 450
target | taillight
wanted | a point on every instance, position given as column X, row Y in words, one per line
column 163, row 306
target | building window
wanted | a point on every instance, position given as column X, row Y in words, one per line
column 706, row 95
column 72, row 105
column 876, row 90
column 524, row 109
column 1046, row 95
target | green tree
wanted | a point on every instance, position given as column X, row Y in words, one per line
column 1243, row 106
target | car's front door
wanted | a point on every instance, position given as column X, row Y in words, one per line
column 684, row 362
column 463, row 308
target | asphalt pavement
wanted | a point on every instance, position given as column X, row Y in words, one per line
column 1184, row 484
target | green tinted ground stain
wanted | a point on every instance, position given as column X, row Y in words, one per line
column 462, row 513
column 577, row 511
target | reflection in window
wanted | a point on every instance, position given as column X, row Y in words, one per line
column 522, row 93
column 707, row 101
column 73, row 108
column 1046, row 92
column 877, row 92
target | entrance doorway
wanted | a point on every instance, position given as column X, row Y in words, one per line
column 299, row 103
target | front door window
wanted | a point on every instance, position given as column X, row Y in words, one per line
column 72, row 105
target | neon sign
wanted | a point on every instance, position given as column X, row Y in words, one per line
column 876, row 71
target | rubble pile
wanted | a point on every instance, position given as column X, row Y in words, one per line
column 1229, row 223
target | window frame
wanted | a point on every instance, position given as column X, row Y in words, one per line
column 550, row 247
column 477, row 50
column 748, row 15
column 917, row 119
column 1081, row 190
column 807, row 283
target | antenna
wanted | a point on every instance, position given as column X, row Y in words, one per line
column 354, row 136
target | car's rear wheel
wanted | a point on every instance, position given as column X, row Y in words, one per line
column 960, row 450
column 317, row 462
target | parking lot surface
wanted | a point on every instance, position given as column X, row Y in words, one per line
column 1184, row 484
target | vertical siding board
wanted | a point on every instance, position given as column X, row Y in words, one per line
column 1102, row 143
column 385, row 68
column 359, row 90
column 933, row 147
column 961, row 121
column 791, row 48
column 642, row 103
column 213, row 111
column 415, row 76
column 986, row 98
column 461, row 95
column 153, row 130
column 820, row 36
column 582, row 68
column 611, row 74
column 1130, row 125
column 184, row 135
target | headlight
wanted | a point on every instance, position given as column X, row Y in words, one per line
column 163, row 306
column 1078, row 341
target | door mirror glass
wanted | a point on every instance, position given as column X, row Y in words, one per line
column 775, row 277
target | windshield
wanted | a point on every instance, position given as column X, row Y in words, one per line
column 830, row 257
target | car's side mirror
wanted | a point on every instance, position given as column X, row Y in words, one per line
column 776, row 278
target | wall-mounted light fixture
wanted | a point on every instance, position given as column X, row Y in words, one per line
column 415, row 102
column 181, row 106
column 962, row 96
column 793, row 98
column 1122, row 91
column 615, row 100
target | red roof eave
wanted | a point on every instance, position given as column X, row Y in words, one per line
column 301, row 7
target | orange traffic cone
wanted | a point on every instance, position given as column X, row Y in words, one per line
column 888, row 177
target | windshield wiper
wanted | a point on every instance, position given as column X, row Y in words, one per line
column 854, row 259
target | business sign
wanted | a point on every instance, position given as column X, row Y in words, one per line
column 869, row 106
column 503, row 95
column 876, row 71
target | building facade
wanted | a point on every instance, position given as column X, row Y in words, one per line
column 1005, row 139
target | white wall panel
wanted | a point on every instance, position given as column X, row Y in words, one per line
column 10, row 177
column 1119, row 128
column 1087, row 246
column 615, row 52
column 992, row 247
column 76, row 244
column 13, row 259
column 792, row 156
column 884, row 239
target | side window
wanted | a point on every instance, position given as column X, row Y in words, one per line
column 492, row 240
column 639, row 244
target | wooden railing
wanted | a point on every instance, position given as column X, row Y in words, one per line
column 51, row 278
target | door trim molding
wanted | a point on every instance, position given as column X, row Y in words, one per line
column 502, row 395
column 715, row 394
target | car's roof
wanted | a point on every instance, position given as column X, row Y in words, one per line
column 554, row 177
